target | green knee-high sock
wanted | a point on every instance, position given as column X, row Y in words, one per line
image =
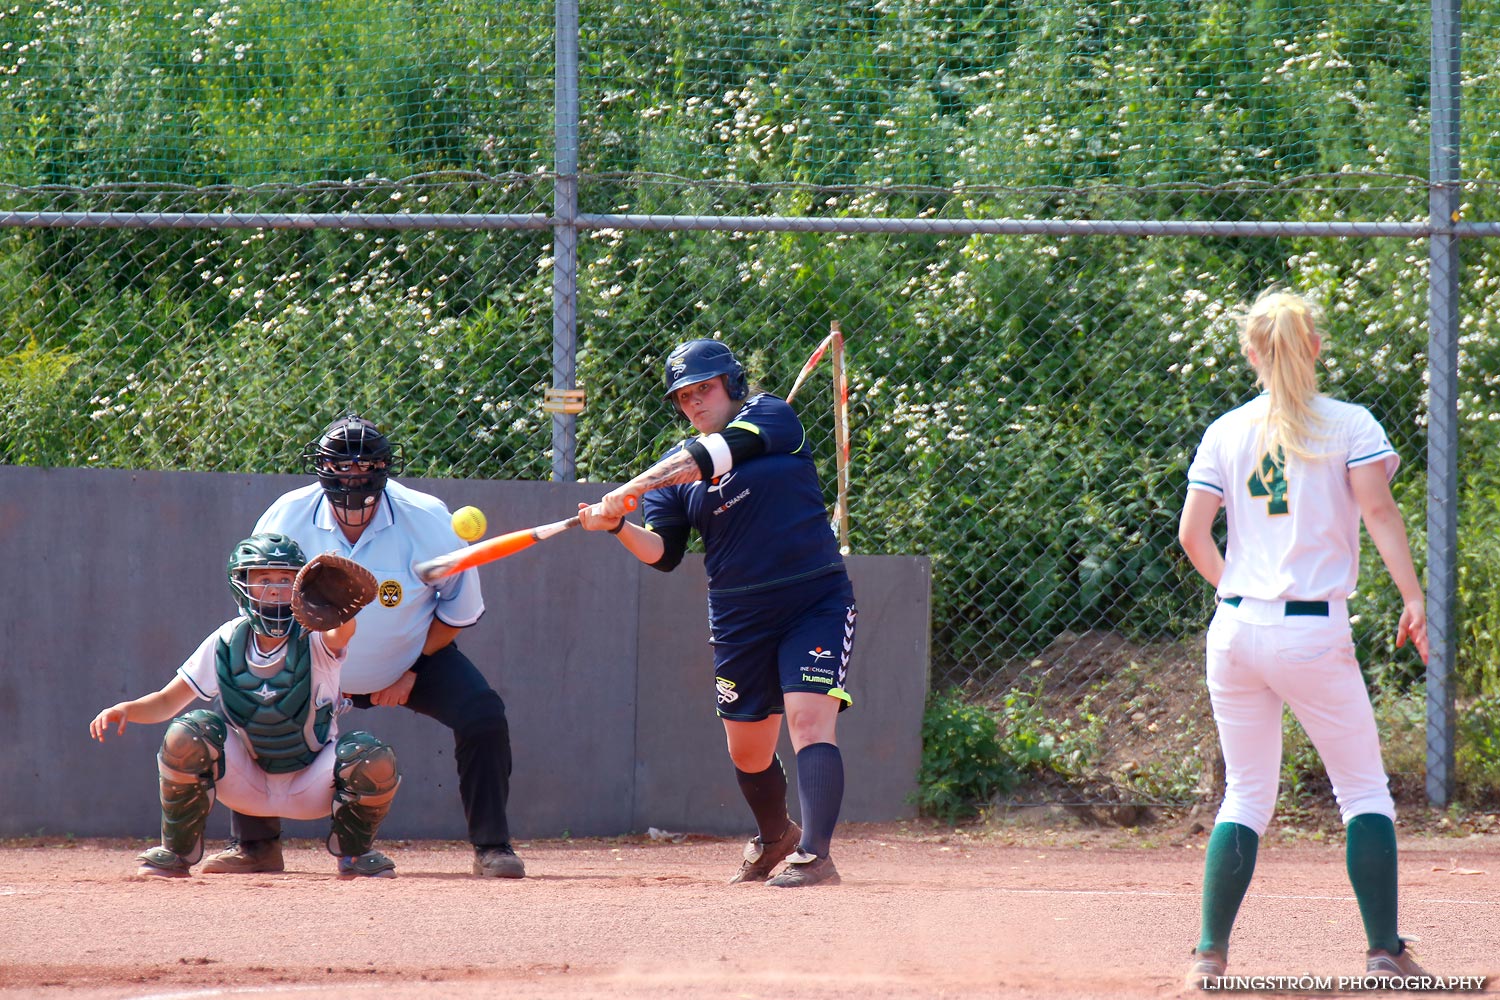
column 1371, row 859
column 1227, row 866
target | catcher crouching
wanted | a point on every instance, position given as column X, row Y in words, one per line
column 270, row 744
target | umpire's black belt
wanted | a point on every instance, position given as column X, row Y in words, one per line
column 1294, row 609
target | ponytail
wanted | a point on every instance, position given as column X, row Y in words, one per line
column 1282, row 329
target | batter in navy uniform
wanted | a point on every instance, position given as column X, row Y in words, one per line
column 780, row 607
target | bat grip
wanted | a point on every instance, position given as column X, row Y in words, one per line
column 597, row 510
column 631, row 503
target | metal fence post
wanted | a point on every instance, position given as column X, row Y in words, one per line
column 1442, row 428
column 565, row 236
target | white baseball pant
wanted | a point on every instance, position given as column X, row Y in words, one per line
column 304, row 794
column 1260, row 658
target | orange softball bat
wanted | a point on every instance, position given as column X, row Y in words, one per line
column 499, row 547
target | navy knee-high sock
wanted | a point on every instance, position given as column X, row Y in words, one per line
column 820, row 786
column 765, row 794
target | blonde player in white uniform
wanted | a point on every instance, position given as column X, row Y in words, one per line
column 1295, row 472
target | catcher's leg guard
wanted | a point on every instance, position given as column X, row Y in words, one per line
column 190, row 761
column 364, row 783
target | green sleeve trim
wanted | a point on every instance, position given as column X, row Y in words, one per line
column 744, row 425
column 1370, row 457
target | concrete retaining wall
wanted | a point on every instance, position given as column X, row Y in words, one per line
column 604, row 664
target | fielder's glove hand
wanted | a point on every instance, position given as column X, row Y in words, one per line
column 329, row 591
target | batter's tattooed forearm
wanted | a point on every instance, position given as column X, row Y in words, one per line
column 674, row 470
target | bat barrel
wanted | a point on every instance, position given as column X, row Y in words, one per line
column 450, row 563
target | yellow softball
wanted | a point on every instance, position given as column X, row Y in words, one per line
column 469, row 523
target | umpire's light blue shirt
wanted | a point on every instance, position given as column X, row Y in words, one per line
column 407, row 527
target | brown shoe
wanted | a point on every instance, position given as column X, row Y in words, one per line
column 250, row 857
column 761, row 858
column 806, row 869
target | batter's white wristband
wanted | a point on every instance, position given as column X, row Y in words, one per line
column 718, row 452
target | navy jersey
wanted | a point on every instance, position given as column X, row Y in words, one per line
column 763, row 522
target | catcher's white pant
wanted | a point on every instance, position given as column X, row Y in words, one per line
column 1258, row 659
column 304, row 794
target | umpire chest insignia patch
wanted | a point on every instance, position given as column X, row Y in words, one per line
column 390, row 593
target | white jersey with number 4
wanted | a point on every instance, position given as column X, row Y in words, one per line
column 1293, row 531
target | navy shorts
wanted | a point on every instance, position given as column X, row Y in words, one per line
column 791, row 638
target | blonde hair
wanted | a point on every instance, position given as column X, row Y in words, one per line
column 1282, row 330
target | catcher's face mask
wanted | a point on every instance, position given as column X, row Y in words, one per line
column 269, row 591
column 270, row 585
column 269, row 608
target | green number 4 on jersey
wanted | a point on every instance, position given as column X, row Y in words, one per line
column 1269, row 481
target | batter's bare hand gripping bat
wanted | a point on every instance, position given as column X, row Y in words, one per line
column 491, row 549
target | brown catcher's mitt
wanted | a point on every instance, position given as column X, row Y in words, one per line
column 329, row 591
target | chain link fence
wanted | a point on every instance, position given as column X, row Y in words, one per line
column 224, row 224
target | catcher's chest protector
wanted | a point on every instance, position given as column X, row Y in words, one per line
column 275, row 713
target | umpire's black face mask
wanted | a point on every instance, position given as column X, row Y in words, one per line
column 353, row 488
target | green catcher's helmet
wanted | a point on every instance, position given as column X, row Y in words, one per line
column 265, row 550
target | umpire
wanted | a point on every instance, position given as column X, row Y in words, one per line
column 403, row 652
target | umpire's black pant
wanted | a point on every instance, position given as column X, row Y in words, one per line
column 450, row 689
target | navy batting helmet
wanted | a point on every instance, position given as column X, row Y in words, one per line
column 352, row 461
column 700, row 360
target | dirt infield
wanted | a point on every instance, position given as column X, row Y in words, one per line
column 922, row 913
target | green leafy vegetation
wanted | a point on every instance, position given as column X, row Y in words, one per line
column 971, row 755
column 1140, row 735
column 1023, row 408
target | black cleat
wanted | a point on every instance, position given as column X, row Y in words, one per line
column 371, row 864
column 498, row 862
column 159, row 862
